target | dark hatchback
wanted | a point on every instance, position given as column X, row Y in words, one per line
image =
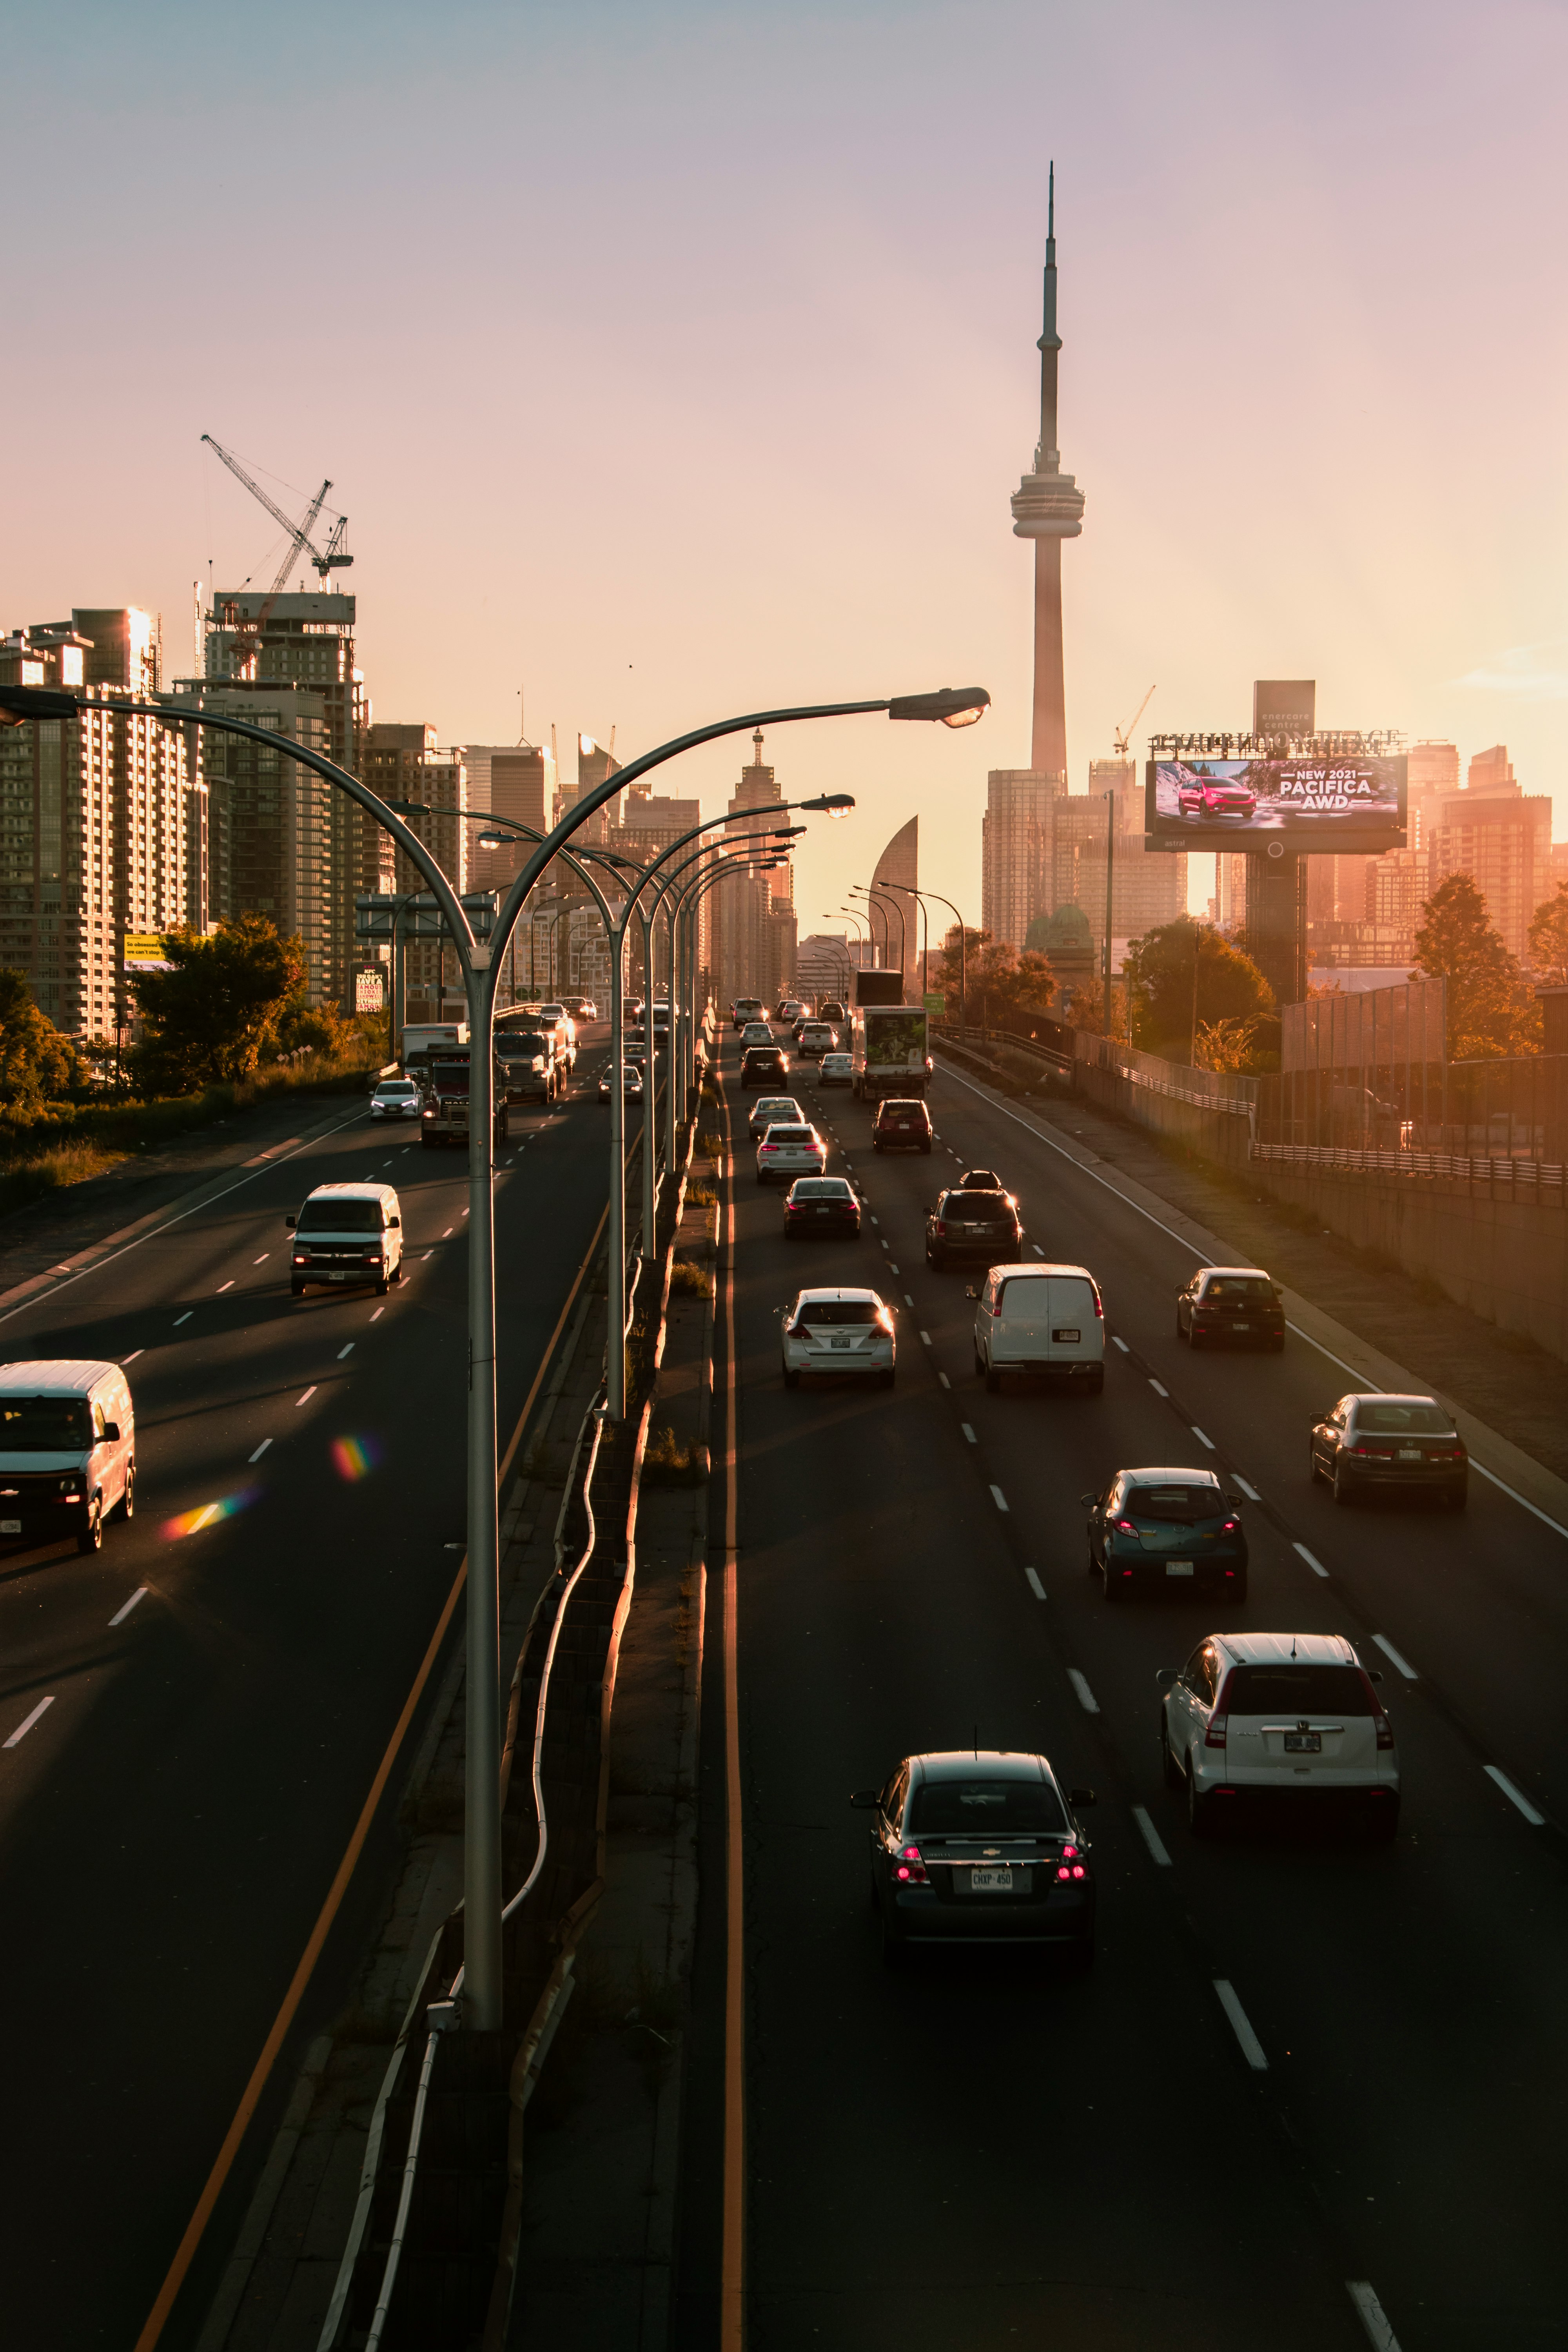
column 1231, row 1306
column 763, row 1066
column 820, row 1204
column 1392, row 1444
column 1167, row 1530
column 901, row 1125
column 980, row 1846
column 978, row 1225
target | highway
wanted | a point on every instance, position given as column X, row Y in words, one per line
column 199, row 1710
column 1310, row 2088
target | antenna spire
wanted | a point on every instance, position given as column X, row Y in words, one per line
column 1052, row 220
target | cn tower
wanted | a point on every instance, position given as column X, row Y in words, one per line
column 1047, row 506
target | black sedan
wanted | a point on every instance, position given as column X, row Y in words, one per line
column 1231, row 1306
column 763, row 1066
column 1394, row 1444
column 820, row 1204
column 980, row 1845
column 1171, row 1530
column 976, row 1225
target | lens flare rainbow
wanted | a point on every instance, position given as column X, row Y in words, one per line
column 209, row 1515
column 355, row 1457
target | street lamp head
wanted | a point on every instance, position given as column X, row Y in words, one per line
column 836, row 804
column 496, row 840
column 787, row 832
column 411, row 808
column 955, row 706
column 20, row 703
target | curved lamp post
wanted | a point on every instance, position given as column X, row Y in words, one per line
column 962, row 961
column 878, row 895
column 481, row 963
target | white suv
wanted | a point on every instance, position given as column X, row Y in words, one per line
column 839, row 1331
column 790, row 1151
column 1040, row 1318
column 1281, row 1716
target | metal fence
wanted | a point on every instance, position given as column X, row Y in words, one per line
column 1219, row 1090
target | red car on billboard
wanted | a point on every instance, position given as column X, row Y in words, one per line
column 1201, row 795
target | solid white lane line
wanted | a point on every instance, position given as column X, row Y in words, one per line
column 377, row 1315
column 1405, row 1668
column 1158, row 1387
column 1314, row 1564
column 944, row 1379
column 345, row 1351
column 1151, row 1838
column 999, row 1498
column 131, row 1359
column 1121, row 1344
column 221, row 1288
column 1251, row 1493
column 122, row 1612
column 24, row 1728
column 261, row 1449
column 1371, row 2316
column 262, row 1259
column 967, row 1431
column 309, row 1392
column 1515, row 1796
column 925, row 1339
column 1036, row 1587
column 184, row 1317
column 1085, row 1696
column 1202, row 1438
column 1251, row 2048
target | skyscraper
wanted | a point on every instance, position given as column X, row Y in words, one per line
column 750, row 914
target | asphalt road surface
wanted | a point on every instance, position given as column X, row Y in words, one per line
column 171, row 1821
column 1360, row 2131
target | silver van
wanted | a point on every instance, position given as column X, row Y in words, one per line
column 67, row 1450
column 1040, row 1318
column 347, row 1233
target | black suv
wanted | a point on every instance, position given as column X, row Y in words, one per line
column 983, row 1225
column 763, row 1066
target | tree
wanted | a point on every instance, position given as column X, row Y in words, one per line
column 1548, row 940
column 1002, row 981
column 210, row 1015
column 304, row 1027
column 1182, row 978
column 35, row 1060
column 1490, row 1011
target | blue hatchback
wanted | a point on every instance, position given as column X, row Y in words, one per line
column 1167, row 1530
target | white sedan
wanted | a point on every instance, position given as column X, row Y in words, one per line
column 836, row 1070
column 631, row 1084
column 773, row 1111
column 790, row 1152
column 839, row 1331
column 395, row 1098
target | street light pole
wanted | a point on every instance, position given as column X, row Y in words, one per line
column 962, row 961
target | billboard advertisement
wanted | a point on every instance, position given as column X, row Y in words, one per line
column 1352, row 804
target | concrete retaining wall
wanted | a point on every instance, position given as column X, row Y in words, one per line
column 1218, row 1134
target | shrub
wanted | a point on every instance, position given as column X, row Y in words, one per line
column 684, row 1276
column 667, row 1462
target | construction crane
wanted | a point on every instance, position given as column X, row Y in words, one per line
column 332, row 558
column 1123, row 734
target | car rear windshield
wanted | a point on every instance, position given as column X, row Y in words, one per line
column 1396, row 1420
column 1184, row 1503
column 903, row 1110
column 43, row 1425
column 820, row 1188
column 522, row 1040
column 838, row 1310
column 789, row 1135
column 980, row 1807
column 1293, row 1691
column 1250, row 1286
column 981, row 1205
column 340, row 1217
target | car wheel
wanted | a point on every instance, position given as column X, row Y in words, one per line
column 384, row 1284
column 885, row 1380
column 1344, row 1485
column 926, row 1149
column 1198, row 1817
column 397, row 1271
column 296, row 1291
column 1078, row 1957
column 1459, row 1497
column 1180, row 1333
column 993, row 1381
column 126, row 1507
column 894, row 1952
column 1113, row 1583
column 1170, row 1770
column 1383, row 1823
column 1095, row 1384
column 91, row 1537
column 979, row 1365
column 791, row 1377
column 1277, row 1347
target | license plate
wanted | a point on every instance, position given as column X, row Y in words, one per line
column 1303, row 1743
column 993, row 1880
column 1178, row 1568
column 10, row 1527
column 825, row 1212
column 1067, row 1338
column 840, row 1345
column 337, row 1277
column 1410, row 1454
column 1241, row 1326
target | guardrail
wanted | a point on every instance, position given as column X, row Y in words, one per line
column 1544, row 1178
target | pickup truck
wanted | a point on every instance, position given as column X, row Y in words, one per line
column 445, row 1116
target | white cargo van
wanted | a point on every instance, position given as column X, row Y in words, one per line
column 1042, row 1319
column 67, row 1450
column 347, row 1233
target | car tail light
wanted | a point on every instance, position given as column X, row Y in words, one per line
column 1372, row 1452
column 941, row 1230
column 301, row 1257
column 1384, row 1730
column 1230, row 1527
column 1215, row 1736
column 1098, row 1309
column 911, row 1871
column 1125, row 1528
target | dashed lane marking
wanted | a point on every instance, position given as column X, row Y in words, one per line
column 377, row 1315
column 261, row 1449
column 1082, row 1693
column 1036, row 1587
column 123, row 1611
column 1405, row 1668
column 968, row 1432
column 1315, row 1564
column 1251, row 1493
column 1037, row 1250
column 1158, row 1388
column 1202, row 1436
column 221, row 1288
column 345, row 1351
column 131, row 1359
column 944, row 1379
column 1514, row 1795
column 999, row 1498
column 925, row 1339
column 184, row 1317
column 262, row 1259
column 1121, row 1344
column 1151, row 1838
column 309, row 1392
column 1251, row 2048
column 27, row 1722
column 449, row 1231
column 907, row 1300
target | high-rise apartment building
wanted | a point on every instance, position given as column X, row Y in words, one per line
column 1016, row 844
column 96, row 821
column 406, row 763
column 516, row 782
column 750, row 914
column 1500, row 835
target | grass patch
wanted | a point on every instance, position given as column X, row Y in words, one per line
column 667, row 1462
column 700, row 1196
column 51, row 1171
column 712, row 1144
column 685, row 1276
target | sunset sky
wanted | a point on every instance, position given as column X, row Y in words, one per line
column 677, row 361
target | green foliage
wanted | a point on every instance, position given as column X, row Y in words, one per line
column 1000, row 980
column 1548, row 940
column 209, row 1016
column 35, row 1060
column 1161, row 976
column 1490, row 1010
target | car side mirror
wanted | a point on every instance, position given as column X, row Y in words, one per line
column 1082, row 1797
column 1168, row 1676
column 863, row 1799
column 1374, row 1674
column 112, row 1432
column 394, row 1224
column 1087, row 1502
column 778, row 1310
column 970, row 1291
column 1234, row 1501
column 290, row 1222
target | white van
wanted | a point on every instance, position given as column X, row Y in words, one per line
column 67, row 1450
column 347, row 1233
column 1040, row 1318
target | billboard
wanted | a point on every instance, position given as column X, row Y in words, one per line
column 1351, row 804
column 1284, row 705
column 143, row 951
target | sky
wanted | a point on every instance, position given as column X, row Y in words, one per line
column 674, row 363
